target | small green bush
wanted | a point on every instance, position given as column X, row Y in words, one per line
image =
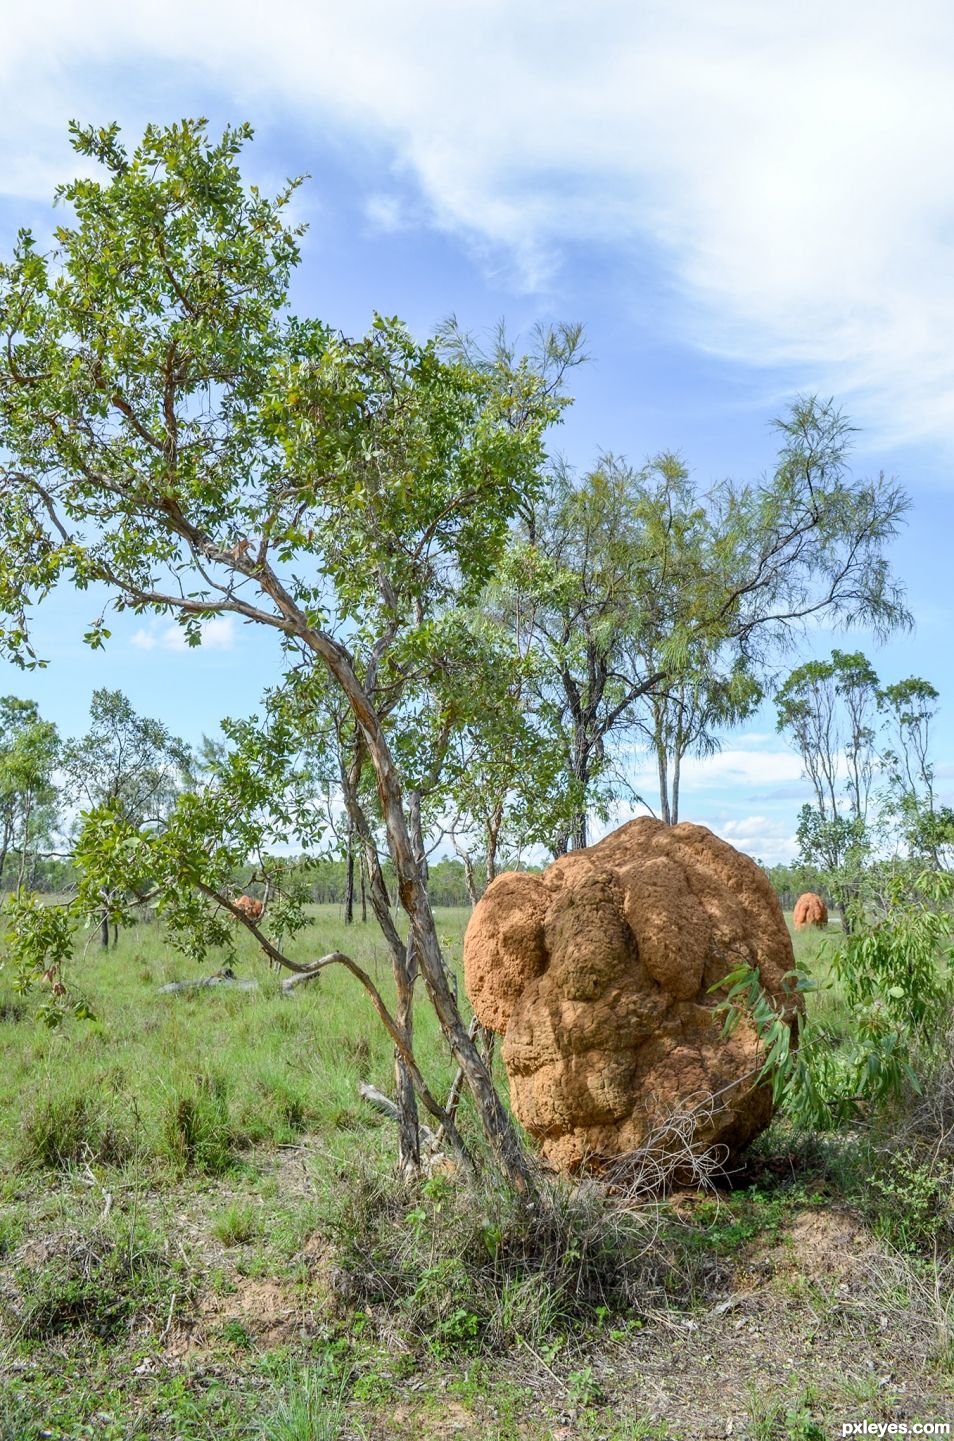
column 70, row 1128
column 197, row 1127
column 237, row 1224
column 95, row 1281
column 472, row 1269
column 311, row 1409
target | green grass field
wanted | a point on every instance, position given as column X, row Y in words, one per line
column 259, row 1066
column 201, row 1236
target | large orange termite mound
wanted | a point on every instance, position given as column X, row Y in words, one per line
column 810, row 910
column 598, row 974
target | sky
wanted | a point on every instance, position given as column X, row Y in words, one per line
column 741, row 202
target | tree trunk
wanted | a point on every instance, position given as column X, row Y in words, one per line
column 404, row 966
column 676, row 768
column 364, row 895
column 678, row 748
column 661, row 767
column 582, row 750
column 21, row 872
column 497, row 1126
column 349, row 878
column 104, row 930
column 493, row 840
column 409, row 1135
column 469, row 878
column 5, row 846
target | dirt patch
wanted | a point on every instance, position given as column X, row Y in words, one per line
column 822, row 1244
column 268, row 1313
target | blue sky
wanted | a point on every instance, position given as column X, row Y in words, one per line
column 739, row 203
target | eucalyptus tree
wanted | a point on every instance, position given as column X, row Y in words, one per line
column 828, row 709
column 648, row 592
column 687, row 716
column 908, row 709
column 28, row 800
column 175, row 436
column 128, row 764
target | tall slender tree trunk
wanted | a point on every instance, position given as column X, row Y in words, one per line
column 676, row 768
column 349, row 878
column 493, row 841
column 678, row 748
column 5, row 846
column 497, row 1126
column 404, row 966
column 364, row 894
column 663, row 773
column 409, row 1134
column 24, row 840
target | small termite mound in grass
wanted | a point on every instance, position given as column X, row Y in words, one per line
column 810, row 912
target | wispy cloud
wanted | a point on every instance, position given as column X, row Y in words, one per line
column 388, row 213
column 789, row 168
column 760, row 836
column 218, row 633
column 734, row 766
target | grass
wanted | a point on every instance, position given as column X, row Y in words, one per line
column 185, row 1083
column 312, row 1408
column 201, row 1234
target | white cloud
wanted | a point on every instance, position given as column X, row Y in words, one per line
column 388, row 213
column 759, row 836
column 218, row 633
column 733, row 767
column 790, row 167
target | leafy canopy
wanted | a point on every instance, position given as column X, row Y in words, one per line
column 176, row 434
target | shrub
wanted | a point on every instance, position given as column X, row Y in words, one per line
column 65, row 1129
column 312, row 1408
column 198, row 1129
column 237, row 1224
column 897, row 982
column 470, row 1269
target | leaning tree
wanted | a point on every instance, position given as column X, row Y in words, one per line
column 176, row 438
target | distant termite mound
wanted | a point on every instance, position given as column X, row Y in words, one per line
column 598, row 974
column 810, row 910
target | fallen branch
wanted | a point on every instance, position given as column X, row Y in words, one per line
column 291, row 982
column 232, row 983
column 380, row 1102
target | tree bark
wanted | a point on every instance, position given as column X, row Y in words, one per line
column 409, row 1135
column 349, row 878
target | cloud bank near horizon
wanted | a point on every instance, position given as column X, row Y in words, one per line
column 790, row 173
